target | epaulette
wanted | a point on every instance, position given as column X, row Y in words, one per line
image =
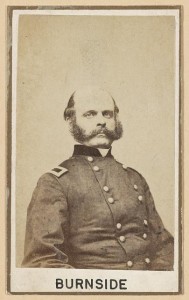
column 58, row 171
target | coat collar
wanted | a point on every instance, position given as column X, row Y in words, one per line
column 89, row 151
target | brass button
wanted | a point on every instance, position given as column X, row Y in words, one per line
column 144, row 236
column 111, row 200
column 147, row 260
column 140, row 198
column 106, row 188
column 90, row 158
column 122, row 239
column 130, row 263
column 118, row 225
column 96, row 168
column 124, row 167
column 135, row 187
column 146, row 222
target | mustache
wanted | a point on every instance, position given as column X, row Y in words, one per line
column 103, row 130
column 80, row 134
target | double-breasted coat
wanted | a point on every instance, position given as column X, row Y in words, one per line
column 93, row 212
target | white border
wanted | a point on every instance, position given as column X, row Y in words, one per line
column 42, row 280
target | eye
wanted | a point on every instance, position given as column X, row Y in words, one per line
column 89, row 114
column 108, row 114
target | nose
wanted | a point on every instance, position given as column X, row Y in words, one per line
column 101, row 120
column 102, row 124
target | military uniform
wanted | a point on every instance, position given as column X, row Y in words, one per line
column 93, row 212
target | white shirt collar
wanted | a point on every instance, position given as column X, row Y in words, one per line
column 103, row 151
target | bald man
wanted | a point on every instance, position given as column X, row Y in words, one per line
column 91, row 211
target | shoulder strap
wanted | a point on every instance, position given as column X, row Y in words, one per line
column 58, row 171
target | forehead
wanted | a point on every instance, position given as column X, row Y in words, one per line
column 93, row 99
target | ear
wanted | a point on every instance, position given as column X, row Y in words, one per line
column 68, row 120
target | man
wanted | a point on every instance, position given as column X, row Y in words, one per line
column 91, row 211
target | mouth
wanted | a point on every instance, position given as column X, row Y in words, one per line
column 101, row 134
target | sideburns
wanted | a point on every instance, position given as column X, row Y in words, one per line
column 80, row 135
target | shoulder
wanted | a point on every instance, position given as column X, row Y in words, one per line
column 53, row 175
column 135, row 176
column 134, row 173
column 61, row 169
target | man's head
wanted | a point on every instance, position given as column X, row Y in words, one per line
column 93, row 118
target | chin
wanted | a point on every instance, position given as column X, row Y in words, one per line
column 100, row 143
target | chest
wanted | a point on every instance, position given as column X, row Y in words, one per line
column 103, row 192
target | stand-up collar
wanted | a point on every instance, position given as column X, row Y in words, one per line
column 88, row 151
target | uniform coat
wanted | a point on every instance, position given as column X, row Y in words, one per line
column 93, row 212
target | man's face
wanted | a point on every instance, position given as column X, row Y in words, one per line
column 95, row 124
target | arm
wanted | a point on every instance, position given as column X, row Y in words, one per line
column 47, row 226
column 162, row 249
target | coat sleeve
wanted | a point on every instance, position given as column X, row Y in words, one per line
column 47, row 226
column 162, row 249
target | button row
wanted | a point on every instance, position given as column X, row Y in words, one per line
column 95, row 168
column 130, row 263
column 122, row 237
column 118, row 225
column 105, row 188
column 140, row 197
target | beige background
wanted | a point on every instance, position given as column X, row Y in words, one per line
column 133, row 58
column 3, row 134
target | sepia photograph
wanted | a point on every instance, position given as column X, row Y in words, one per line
column 95, row 152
